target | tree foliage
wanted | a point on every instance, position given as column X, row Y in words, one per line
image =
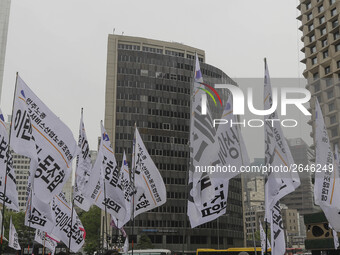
column 144, row 242
column 91, row 223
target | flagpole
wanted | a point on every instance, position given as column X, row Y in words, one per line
column 43, row 251
column 133, row 168
column 7, row 155
column 72, row 201
column 265, row 66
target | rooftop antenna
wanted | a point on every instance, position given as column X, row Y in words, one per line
column 114, row 30
column 122, row 33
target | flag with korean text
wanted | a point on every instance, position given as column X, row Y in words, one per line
column 38, row 214
column 37, row 130
column 277, row 232
column 327, row 183
column 264, row 239
column 148, row 182
column 102, row 188
column 202, row 135
column 127, row 186
column 277, row 153
column 46, row 240
column 6, row 162
column 13, row 240
column 229, row 149
column 63, row 229
column 83, row 170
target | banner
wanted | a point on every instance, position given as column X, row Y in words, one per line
column 37, row 130
column 64, row 229
column 83, row 170
column 38, row 214
column 202, row 134
column 277, row 231
column 148, row 182
column 127, row 186
column 326, row 186
column 229, row 149
column 277, row 153
column 6, row 162
column 263, row 237
column 13, row 241
column 46, row 240
column 3, row 228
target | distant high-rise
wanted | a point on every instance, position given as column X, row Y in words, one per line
column 4, row 19
column 148, row 83
column 302, row 198
column 321, row 38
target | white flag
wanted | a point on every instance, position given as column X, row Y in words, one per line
column 202, row 135
column 229, row 149
column 83, row 170
column 47, row 240
column 149, row 185
column 13, row 237
column 3, row 228
column 327, row 182
column 6, row 162
column 263, row 237
column 335, row 237
column 62, row 230
column 126, row 245
column 277, row 231
column 277, row 153
column 38, row 214
column 127, row 186
column 38, row 133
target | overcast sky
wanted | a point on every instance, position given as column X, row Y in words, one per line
column 59, row 47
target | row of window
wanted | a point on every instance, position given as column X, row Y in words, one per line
column 171, row 114
column 309, row 4
column 131, row 123
column 172, row 101
column 122, row 46
column 322, row 18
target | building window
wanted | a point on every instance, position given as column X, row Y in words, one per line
column 313, row 49
column 323, row 31
column 314, row 60
column 312, row 38
column 332, row 119
column 310, row 27
column 322, row 19
column 333, row 12
column 330, row 94
column 335, row 23
column 327, row 69
column 316, row 87
column 324, row 42
column 334, row 132
column 331, row 2
column 320, row 8
column 338, row 64
column 336, row 35
column 337, row 47
column 329, row 82
column 325, row 54
column 315, row 76
column 331, row 107
column 309, row 16
column 308, row 5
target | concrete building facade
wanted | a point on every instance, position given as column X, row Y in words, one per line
column 321, row 39
column 148, row 83
column 4, row 20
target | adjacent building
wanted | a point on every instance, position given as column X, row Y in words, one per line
column 148, row 83
column 321, row 39
column 4, row 19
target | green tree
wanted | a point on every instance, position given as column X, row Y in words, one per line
column 144, row 242
column 91, row 223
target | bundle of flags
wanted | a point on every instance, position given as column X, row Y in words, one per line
column 36, row 132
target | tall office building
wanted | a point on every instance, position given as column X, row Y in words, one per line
column 302, row 198
column 4, row 18
column 321, row 38
column 148, row 83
